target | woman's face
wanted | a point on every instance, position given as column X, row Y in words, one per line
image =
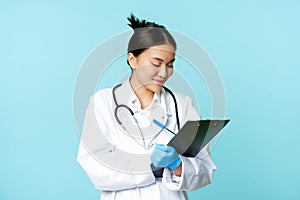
column 152, row 67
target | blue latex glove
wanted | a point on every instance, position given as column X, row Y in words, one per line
column 165, row 156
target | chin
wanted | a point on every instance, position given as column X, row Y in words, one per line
column 156, row 88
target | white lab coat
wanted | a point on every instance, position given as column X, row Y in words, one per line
column 121, row 185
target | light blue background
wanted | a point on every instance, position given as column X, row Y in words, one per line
column 254, row 44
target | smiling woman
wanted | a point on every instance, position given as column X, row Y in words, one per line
column 125, row 115
column 151, row 69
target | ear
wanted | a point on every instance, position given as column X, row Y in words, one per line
column 132, row 60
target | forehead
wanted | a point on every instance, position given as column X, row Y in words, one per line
column 164, row 51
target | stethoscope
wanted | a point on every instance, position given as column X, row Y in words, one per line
column 118, row 106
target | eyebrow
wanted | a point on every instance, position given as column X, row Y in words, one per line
column 161, row 60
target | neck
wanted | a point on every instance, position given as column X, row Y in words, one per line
column 144, row 95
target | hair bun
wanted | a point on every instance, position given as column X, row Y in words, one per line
column 137, row 23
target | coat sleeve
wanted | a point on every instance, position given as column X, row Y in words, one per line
column 102, row 176
column 108, row 179
column 197, row 171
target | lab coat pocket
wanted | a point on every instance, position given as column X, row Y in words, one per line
column 106, row 148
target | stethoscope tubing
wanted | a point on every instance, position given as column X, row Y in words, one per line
column 132, row 113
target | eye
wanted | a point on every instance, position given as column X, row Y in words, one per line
column 170, row 65
column 156, row 65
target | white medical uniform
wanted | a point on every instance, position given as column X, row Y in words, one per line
column 120, row 185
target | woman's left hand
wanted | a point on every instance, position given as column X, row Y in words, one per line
column 165, row 156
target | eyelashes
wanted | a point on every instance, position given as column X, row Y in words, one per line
column 158, row 65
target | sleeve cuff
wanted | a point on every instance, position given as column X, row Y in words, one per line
column 171, row 180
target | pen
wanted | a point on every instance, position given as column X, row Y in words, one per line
column 162, row 126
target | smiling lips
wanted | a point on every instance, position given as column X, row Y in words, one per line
column 160, row 82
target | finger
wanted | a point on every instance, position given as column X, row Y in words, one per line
column 159, row 147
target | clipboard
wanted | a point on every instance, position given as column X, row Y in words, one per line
column 192, row 138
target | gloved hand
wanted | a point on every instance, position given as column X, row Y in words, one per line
column 165, row 156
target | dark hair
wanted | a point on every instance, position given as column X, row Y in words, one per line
column 146, row 35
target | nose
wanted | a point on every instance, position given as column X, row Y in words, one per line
column 163, row 71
